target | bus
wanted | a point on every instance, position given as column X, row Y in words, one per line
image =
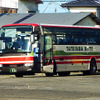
column 29, row 48
column 25, row 50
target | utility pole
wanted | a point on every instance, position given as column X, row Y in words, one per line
column 55, row 6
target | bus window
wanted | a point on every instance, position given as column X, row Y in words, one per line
column 98, row 37
column 62, row 36
column 48, row 49
column 63, row 39
column 54, row 39
column 61, row 30
column 67, row 39
column 48, row 30
column 60, row 39
column 90, row 37
column 76, row 38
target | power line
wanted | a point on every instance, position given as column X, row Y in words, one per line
column 46, row 7
column 54, row 1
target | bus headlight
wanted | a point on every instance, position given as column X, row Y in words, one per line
column 28, row 64
column 1, row 65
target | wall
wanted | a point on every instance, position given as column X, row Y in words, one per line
column 87, row 22
column 25, row 6
column 94, row 10
column 9, row 3
column 82, row 9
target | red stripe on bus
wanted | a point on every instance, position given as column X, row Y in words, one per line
column 5, row 60
column 97, row 61
column 15, row 63
column 15, row 58
column 75, row 57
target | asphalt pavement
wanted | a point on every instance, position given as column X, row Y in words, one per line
column 39, row 87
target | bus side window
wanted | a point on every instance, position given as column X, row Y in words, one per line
column 63, row 39
column 91, row 38
column 59, row 39
column 98, row 38
column 54, row 39
column 76, row 38
column 67, row 39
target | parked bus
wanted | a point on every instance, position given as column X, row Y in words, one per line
column 24, row 49
column 52, row 49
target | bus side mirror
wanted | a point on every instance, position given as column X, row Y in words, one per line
column 32, row 38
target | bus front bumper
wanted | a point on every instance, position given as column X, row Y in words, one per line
column 12, row 69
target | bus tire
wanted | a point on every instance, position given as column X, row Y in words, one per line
column 55, row 68
column 93, row 67
column 49, row 74
column 19, row 75
column 64, row 73
column 86, row 72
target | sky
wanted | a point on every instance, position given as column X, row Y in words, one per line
column 49, row 7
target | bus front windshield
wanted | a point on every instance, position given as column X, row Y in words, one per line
column 15, row 39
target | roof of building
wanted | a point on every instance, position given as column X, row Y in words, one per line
column 37, row 1
column 46, row 18
column 82, row 3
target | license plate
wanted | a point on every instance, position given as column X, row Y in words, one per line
column 13, row 70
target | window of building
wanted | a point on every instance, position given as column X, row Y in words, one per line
column 8, row 10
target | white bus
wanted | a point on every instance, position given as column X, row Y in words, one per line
column 52, row 49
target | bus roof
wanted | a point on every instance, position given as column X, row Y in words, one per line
column 21, row 24
column 53, row 25
column 70, row 26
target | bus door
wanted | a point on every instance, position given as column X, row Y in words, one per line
column 48, row 54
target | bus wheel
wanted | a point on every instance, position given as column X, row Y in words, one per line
column 93, row 67
column 19, row 75
column 49, row 74
column 86, row 72
column 64, row 73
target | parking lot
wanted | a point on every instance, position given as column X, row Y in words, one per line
column 39, row 87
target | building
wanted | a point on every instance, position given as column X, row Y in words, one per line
column 8, row 6
column 82, row 19
column 83, row 6
column 19, row 6
column 28, row 6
